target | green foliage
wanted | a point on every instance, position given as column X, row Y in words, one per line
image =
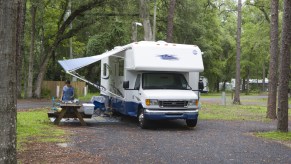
column 34, row 126
column 207, row 23
column 88, row 97
column 255, row 42
column 107, row 39
column 96, row 44
column 113, row 35
column 45, row 93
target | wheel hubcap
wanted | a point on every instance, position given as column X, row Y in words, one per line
column 140, row 118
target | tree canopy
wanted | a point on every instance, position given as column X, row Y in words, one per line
column 95, row 26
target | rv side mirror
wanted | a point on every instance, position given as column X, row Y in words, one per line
column 126, row 84
column 200, row 85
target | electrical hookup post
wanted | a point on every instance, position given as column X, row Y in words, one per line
column 223, row 99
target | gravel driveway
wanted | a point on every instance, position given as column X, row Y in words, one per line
column 173, row 142
column 120, row 140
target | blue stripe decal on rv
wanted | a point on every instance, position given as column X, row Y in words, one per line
column 126, row 108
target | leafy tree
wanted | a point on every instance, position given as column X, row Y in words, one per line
column 273, row 80
column 61, row 33
column 197, row 23
column 255, row 44
column 236, row 99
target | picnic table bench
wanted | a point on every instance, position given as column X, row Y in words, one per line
column 69, row 110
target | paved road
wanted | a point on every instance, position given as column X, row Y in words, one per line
column 172, row 142
column 23, row 104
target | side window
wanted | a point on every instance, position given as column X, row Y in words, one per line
column 121, row 67
column 137, row 82
column 104, row 69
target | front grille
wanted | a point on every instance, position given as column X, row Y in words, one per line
column 173, row 104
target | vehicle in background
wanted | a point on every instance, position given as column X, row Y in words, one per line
column 205, row 82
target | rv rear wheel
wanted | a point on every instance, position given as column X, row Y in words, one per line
column 191, row 123
column 143, row 122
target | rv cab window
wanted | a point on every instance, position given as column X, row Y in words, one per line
column 164, row 81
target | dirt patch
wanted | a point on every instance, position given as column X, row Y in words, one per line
column 54, row 153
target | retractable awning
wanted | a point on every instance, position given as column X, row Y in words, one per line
column 71, row 65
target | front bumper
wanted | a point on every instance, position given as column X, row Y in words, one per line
column 154, row 114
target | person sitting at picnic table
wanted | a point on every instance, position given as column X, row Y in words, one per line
column 68, row 92
column 68, row 95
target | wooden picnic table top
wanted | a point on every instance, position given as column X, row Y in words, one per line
column 70, row 105
column 65, row 113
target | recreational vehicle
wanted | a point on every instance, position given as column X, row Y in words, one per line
column 148, row 80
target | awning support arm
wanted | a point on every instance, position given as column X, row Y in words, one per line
column 99, row 87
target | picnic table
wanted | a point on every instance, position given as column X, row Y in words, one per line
column 69, row 110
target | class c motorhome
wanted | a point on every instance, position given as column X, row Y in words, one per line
column 148, row 80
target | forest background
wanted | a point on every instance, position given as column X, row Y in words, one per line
column 62, row 29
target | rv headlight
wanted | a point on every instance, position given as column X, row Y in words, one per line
column 151, row 102
column 193, row 102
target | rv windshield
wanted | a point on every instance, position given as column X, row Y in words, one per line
column 164, row 81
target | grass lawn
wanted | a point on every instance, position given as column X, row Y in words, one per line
column 279, row 136
column 34, row 126
column 88, row 96
column 233, row 112
column 240, row 113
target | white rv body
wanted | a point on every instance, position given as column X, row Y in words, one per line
column 151, row 80
column 157, row 58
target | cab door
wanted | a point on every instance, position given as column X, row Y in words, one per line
column 133, row 97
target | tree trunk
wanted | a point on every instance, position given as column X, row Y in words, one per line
column 236, row 99
column 21, row 9
column 248, row 81
column 144, row 14
column 264, row 75
column 41, row 73
column 243, row 85
column 31, row 53
column 272, row 87
column 284, row 69
column 8, row 89
column 170, row 25
column 217, row 85
column 258, row 85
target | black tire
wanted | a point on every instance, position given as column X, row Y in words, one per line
column 191, row 123
column 115, row 113
column 143, row 123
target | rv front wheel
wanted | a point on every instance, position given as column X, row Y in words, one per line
column 191, row 123
column 142, row 121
